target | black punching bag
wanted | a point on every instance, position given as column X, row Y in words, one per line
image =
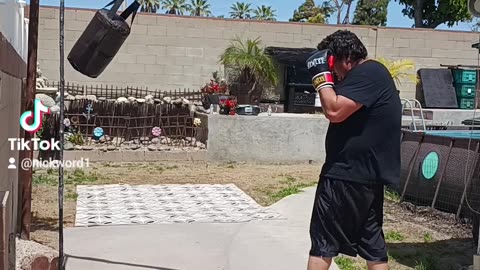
column 102, row 39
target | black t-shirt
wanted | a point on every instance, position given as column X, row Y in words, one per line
column 365, row 147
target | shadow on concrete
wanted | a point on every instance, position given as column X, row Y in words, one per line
column 444, row 254
column 67, row 256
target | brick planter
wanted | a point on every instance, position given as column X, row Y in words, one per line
column 34, row 256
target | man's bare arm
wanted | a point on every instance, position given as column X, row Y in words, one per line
column 335, row 107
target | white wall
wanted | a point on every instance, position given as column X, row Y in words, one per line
column 14, row 25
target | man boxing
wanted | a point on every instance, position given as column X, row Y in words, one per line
column 361, row 101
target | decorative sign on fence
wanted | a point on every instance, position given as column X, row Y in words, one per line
column 430, row 165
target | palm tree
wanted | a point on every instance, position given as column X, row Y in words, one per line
column 240, row 10
column 264, row 13
column 200, row 8
column 254, row 67
column 149, row 5
column 399, row 69
column 177, row 7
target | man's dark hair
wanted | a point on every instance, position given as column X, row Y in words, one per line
column 344, row 44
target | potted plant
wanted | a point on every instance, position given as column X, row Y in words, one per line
column 251, row 67
column 228, row 106
column 214, row 91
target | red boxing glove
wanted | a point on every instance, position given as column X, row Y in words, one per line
column 320, row 65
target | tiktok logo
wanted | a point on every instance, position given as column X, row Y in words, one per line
column 38, row 110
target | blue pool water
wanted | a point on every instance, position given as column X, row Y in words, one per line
column 475, row 134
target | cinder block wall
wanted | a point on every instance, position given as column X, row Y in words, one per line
column 169, row 52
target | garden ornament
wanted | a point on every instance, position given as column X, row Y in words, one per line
column 102, row 39
column 66, row 122
column 156, row 131
column 98, row 133
column 89, row 110
column 74, row 120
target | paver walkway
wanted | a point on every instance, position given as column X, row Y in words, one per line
column 257, row 245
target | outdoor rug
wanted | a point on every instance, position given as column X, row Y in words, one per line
column 99, row 205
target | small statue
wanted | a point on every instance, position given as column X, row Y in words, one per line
column 41, row 80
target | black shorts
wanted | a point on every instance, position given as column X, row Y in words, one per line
column 347, row 218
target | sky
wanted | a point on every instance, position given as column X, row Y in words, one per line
column 284, row 10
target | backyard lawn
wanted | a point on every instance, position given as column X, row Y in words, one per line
column 419, row 240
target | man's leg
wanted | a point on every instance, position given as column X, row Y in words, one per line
column 319, row 263
column 377, row 265
column 372, row 245
column 339, row 211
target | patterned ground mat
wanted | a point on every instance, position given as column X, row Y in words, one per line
column 155, row 204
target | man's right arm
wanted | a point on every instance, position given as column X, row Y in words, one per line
column 336, row 108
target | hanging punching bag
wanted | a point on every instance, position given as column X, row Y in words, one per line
column 102, row 39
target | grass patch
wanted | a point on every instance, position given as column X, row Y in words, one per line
column 155, row 169
column 288, row 180
column 286, row 192
column 172, row 167
column 426, row 263
column 230, row 164
column 392, row 195
column 292, row 188
column 394, row 236
column 71, row 196
column 76, row 177
column 79, row 177
column 427, row 237
column 345, row 263
column 44, row 179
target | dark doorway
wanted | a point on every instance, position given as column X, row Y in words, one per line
column 299, row 95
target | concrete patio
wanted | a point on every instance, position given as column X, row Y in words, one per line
column 280, row 244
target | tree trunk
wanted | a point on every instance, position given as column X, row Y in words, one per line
column 339, row 7
column 418, row 15
column 346, row 20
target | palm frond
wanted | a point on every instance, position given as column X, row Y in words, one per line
column 399, row 69
column 248, row 57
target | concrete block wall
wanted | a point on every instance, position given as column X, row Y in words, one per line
column 169, row 52
column 267, row 139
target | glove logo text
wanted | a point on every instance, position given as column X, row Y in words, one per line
column 319, row 80
column 315, row 62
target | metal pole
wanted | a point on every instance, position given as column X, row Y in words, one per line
column 415, row 155
column 442, row 175
column 25, row 176
column 62, row 138
column 469, row 179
